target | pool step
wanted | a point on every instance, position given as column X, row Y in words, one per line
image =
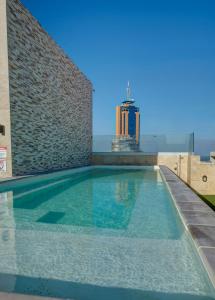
column 10, row 296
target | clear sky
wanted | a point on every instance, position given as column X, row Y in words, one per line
column 165, row 48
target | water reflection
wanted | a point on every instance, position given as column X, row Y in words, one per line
column 134, row 201
column 149, row 257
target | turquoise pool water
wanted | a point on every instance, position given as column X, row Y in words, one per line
column 103, row 233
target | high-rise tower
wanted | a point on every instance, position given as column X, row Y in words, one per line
column 127, row 125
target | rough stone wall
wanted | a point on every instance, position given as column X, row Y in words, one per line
column 50, row 99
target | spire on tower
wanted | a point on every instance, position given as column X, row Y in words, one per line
column 128, row 91
column 128, row 94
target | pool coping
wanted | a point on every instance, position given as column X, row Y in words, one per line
column 197, row 217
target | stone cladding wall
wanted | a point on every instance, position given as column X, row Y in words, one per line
column 50, row 99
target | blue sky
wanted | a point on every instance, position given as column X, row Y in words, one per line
column 165, row 48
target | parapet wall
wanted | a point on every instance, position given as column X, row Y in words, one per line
column 202, row 176
column 50, row 99
column 116, row 158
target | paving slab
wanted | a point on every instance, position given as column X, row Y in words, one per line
column 172, row 180
column 204, row 236
column 175, row 181
column 186, row 197
column 199, row 218
column 171, row 177
column 178, row 185
column 194, row 206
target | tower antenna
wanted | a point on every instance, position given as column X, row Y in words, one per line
column 128, row 91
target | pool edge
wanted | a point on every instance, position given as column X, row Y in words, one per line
column 176, row 188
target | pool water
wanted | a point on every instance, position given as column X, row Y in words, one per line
column 104, row 233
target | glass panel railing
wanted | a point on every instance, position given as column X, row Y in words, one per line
column 148, row 143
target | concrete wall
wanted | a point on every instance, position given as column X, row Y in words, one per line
column 192, row 170
column 50, row 99
column 198, row 171
column 177, row 162
column 116, row 158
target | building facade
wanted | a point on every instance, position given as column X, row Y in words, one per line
column 45, row 100
column 127, row 125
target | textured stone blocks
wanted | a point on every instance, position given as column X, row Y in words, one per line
column 50, row 99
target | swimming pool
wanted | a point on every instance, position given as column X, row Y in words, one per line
column 100, row 233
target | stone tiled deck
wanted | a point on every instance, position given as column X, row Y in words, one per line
column 198, row 218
